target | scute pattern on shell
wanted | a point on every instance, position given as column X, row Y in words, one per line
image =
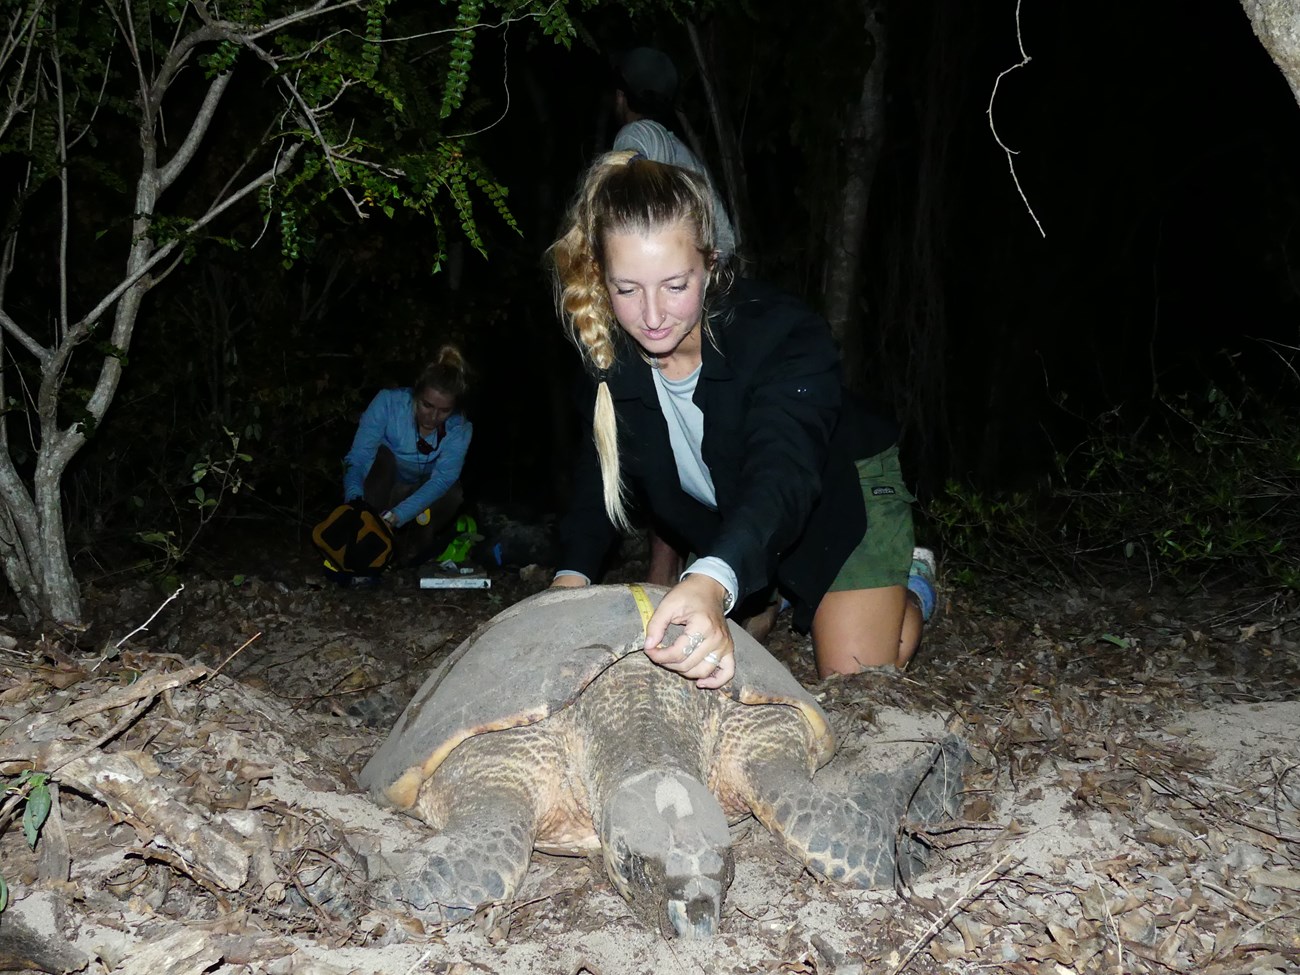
column 532, row 660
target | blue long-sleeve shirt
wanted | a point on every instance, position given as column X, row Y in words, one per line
column 389, row 421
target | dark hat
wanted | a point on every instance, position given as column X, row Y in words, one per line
column 648, row 76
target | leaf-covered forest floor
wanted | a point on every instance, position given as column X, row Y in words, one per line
column 1133, row 803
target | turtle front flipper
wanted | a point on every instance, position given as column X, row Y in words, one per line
column 447, row 880
column 857, row 839
column 926, row 791
column 485, row 802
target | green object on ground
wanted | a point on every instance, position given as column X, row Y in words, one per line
column 458, row 548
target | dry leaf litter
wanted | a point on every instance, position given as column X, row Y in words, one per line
column 1133, row 805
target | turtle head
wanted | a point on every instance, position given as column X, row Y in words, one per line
column 668, row 851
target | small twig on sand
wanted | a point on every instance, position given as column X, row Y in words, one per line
column 232, row 656
column 143, row 626
column 1110, row 921
column 989, row 876
column 419, row 962
column 1236, row 903
column 1165, row 782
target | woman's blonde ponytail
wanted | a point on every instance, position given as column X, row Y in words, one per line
column 604, row 428
column 447, row 373
column 622, row 193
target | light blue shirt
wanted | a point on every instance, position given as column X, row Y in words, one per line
column 389, row 421
column 686, row 435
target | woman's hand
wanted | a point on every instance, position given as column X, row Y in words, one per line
column 704, row 651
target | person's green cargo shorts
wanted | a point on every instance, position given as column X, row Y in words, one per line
column 884, row 556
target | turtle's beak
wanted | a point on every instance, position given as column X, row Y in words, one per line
column 698, row 913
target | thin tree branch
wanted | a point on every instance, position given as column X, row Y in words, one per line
column 96, row 104
column 15, row 105
column 240, row 32
column 177, row 57
column 504, row 22
column 309, row 117
column 62, row 327
column 14, row 34
column 505, row 83
column 1011, row 153
column 202, row 120
column 99, row 400
column 127, row 28
column 38, row 351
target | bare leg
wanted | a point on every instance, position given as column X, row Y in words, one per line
column 665, row 561
column 862, row 628
column 759, row 626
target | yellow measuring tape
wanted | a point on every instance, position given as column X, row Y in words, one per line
column 642, row 605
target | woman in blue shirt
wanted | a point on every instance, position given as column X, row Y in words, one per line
column 408, row 452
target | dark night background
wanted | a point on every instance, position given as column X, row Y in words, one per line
column 1156, row 142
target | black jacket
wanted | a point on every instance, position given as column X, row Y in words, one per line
column 780, row 440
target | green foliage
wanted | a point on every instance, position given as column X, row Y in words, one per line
column 374, row 110
column 31, row 790
column 224, row 477
column 981, row 530
column 37, row 808
column 395, row 159
column 1209, row 485
column 221, row 60
column 462, row 51
column 556, row 23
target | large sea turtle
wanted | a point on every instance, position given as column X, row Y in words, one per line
column 547, row 729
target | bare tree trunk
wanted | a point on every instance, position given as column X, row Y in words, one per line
column 1277, row 25
column 33, row 541
column 37, row 563
column 915, row 341
column 846, row 224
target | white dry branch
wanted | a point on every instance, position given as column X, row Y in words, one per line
column 1011, row 153
column 152, row 616
column 197, row 841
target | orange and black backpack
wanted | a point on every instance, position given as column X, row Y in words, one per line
column 354, row 539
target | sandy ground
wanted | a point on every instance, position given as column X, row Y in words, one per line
column 1131, row 806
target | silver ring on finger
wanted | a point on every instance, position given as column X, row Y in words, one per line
column 693, row 641
column 712, row 658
